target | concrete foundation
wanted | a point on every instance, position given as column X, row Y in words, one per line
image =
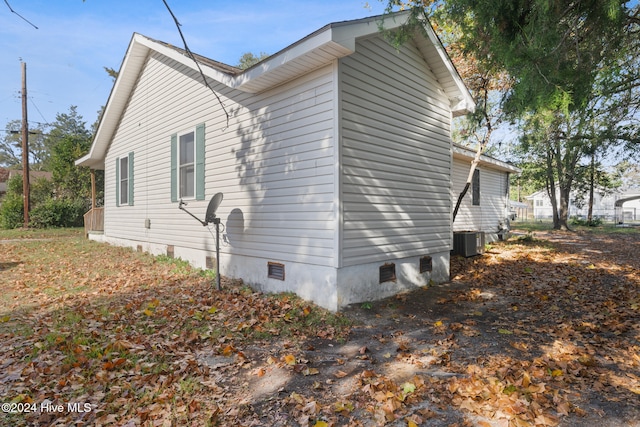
column 328, row 287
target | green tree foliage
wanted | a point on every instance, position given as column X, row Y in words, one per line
column 58, row 212
column 11, row 146
column 70, row 140
column 62, row 201
column 11, row 211
column 248, row 60
column 12, row 205
column 531, row 179
column 112, row 73
column 553, row 48
column 629, row 173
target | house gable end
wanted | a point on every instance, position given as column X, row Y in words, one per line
column 312, row 52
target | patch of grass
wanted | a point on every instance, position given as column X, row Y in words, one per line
column 68, row 319
column 189, row 385
column 602, row 228
column 531, row 226
column 526, row 238
column 46, row 233
column 181, row 266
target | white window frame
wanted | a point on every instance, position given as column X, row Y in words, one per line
column 180, row 165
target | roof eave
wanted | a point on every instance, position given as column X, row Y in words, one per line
column 464, row 153
column 318, row 49
column 329, row 43
column 131, row 65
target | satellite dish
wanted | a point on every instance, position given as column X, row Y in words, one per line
column 210, row 216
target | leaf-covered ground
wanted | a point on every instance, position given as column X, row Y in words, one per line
column 541, row 331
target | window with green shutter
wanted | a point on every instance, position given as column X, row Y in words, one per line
column 187, row 164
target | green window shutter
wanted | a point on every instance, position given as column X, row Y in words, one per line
column 200, row 162
column 174, row 167
column 118, row 181
column 130, row 179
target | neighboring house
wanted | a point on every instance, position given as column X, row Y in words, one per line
column 627, row 206
column 619, row 206
column 541, row 202
column 336, row 162
column 4, row 177
column 7, row 174
column 519, row 210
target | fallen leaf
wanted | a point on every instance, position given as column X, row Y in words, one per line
column 290, row 359
column 340, row 374
column 310, row 371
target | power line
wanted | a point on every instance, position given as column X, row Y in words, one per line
column 37, row 109
column 13, row 11
column 192, row 56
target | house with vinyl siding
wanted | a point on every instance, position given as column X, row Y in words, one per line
column 486, row 207
column 334, row 157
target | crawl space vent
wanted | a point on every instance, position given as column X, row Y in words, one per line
column 388, row 273
column 210, row 263
column 275, row 270
column 426, row 264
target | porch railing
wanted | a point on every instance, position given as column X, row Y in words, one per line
column 94, row 220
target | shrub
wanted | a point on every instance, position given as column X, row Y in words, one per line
column 58, row 213
column 41, row 191
column 11, row 211
column 14, row 185
column 595, row 222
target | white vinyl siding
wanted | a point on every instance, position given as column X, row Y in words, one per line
column 493, row 199
column 273, row 160
column 396, row 156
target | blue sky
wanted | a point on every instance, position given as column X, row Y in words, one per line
column 65, row 56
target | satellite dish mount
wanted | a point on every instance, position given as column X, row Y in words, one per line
column 210, row 218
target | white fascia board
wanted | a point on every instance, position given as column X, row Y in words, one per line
column 280, row 59
column 463, row 102
column 284, row 56
column 346, row 33
column 463, row 153
column 129, row 70
column 181, row 58
column 339, row 38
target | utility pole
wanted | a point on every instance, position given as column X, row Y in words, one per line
column 25, row 147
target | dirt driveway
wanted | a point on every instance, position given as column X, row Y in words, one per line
column 541, row 331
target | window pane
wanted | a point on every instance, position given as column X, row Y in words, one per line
column 187, row 149
column 124, row 167
column 124, row 180
column 187, row 181
column 476, row 187
column 124, row 191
